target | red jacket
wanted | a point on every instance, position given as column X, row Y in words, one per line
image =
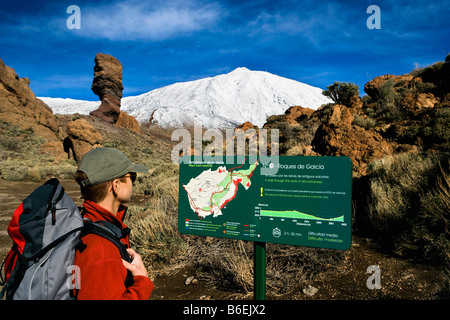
column 102, row 272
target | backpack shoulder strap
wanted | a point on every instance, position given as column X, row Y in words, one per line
column 111, row 233
column 108, row 231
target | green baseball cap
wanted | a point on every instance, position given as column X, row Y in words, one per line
column 105, row 164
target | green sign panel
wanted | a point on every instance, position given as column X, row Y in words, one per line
column 302, row 201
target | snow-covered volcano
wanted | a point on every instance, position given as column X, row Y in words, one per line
column 217, row 102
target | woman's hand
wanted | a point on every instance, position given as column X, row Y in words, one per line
column 136, row 266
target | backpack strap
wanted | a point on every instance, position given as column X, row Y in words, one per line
column 16, row 275
column 12, row 254
column 111, row 233
column 119, row 233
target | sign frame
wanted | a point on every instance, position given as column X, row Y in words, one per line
column 296, row 205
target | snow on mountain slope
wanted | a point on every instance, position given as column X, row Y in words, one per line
column 223, row 101
column 217, row 102
column 70, row 106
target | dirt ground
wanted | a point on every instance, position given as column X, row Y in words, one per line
column 400, row 279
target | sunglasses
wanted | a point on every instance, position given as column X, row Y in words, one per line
column 132, row 176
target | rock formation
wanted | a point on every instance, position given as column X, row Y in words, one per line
column 126, row 121
column 338, row 137
column 245, row 126
column 374, row 88
column 296, row 114
column 19, row 105
column 82, row 137
column 404, row 113
column 108, row 86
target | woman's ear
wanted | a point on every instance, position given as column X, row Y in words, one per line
column 115, row 186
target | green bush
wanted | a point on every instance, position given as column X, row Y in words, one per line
column 341, row 92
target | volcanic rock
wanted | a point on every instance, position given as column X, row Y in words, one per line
column 414, row 104
column 127, row 121
column 355, row 102
column 310, row 290
column 108, row 86
column 297, row 114
column 374, row 87
column 82, row 137
column 245, row 126
column 439, row 75
column 338, row 137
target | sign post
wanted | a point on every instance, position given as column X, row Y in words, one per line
column 305, row 201
column 259, row 265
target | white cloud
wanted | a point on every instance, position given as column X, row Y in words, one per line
column 153, row 20
column 316, row 24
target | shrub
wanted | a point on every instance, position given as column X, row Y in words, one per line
column 12, row 144
column 363, row 122
column 17, row 174
column 155, row 232
column 33, row 175
column 226, row 262
column 424, row 87
column 341, row 92
column 439, row 128
column 386, row 91
column 229, row 263
column 408, row 204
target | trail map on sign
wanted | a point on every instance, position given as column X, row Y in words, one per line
column 306, row 201
column 210, row 191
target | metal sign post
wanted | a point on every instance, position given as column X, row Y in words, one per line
column 259, row 276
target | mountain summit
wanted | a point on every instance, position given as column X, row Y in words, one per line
column 222, row 101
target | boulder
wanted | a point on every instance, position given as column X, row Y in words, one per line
column 355, row 102
column 415, row 104
column 297, row 114
column 245, row 126
column 127, row 121
column 374, row 87
column 337, row 137
column 82, row 137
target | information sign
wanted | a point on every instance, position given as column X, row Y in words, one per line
column 306, row 202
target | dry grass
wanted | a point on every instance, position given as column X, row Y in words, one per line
column 154, row 223
column 409, row 204
column 156, row 238
column 227, row 264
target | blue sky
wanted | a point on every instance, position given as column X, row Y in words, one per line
column 163, row 42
